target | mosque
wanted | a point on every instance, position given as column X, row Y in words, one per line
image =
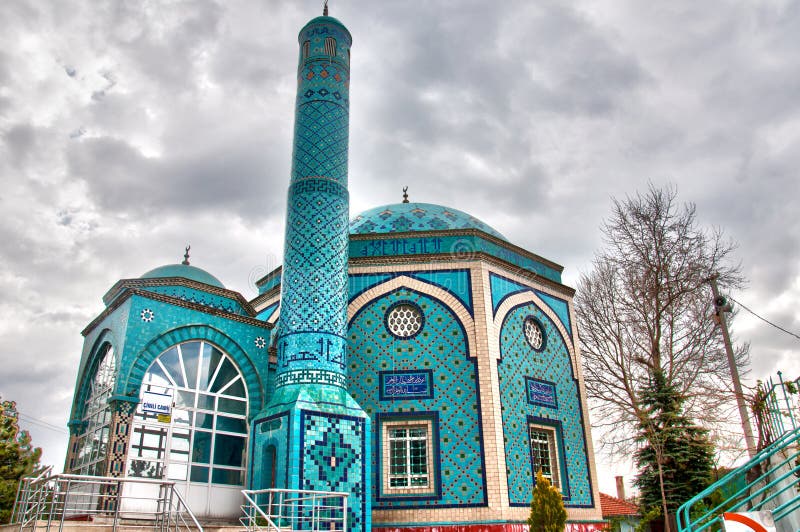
column 410, row 356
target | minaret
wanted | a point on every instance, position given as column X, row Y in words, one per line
column 312, row 435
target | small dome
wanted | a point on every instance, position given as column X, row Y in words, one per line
column 402, row 217
column 186, row 271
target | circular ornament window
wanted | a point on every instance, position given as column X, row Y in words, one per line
column 534, row 333
column 404, row 320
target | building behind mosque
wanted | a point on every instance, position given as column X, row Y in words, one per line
column 411, row 356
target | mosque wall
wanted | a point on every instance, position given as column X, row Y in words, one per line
column 422, row 377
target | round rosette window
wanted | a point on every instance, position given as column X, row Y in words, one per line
column 534, row 333
column 404, row 319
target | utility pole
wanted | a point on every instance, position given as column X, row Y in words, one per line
column 723, row 307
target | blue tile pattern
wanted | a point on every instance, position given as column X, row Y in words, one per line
column 402, row 217
column 457, row 282
column 502, row 288
column 333, row 460
column 518, row 363
column 440, row 348
column 327, row 450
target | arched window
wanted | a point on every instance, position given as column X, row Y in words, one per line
column 330, row 46
column 92, row 446
column 204, row 439
column 306, row 49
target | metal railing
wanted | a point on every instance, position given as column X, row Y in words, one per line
column 280, row 510
column 769, row 481
column 50, row 502
column 24, row 491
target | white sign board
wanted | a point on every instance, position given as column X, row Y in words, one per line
column 156, row 403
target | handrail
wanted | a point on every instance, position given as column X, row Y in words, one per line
column 55, row 498
column 254, row 505
column 288, row 509
column 27, row 481
column 686, row 524
column 183, row 502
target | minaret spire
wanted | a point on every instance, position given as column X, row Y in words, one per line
column 310, row 383
column 325, row 9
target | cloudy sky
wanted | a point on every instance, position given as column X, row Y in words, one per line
column 128, row 129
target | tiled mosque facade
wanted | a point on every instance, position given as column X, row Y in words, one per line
column 411, row 357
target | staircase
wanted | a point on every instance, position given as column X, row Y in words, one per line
column 280, row 510
column 769, row 482
column 80, row 502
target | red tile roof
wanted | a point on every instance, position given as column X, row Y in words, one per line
column 614, row 507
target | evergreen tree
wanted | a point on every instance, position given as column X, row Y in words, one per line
column 547, row 507
column 676, row 458
column 18, row 458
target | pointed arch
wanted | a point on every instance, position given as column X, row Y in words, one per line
column 529, row 297
column 428, row 289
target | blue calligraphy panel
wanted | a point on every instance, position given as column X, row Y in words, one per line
column 411, row 384
column 542, row 393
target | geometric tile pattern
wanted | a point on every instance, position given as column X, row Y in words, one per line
column 312, row 327
column 121, row 416
column 314, row 288
column 403, row 217
column 321, row 143
column 502, row 288
column 438, row 350
column 457, row 282
column 333, row 460
column 519, row 367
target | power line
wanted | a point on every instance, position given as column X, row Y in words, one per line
column 764, row 319
column 41, row 423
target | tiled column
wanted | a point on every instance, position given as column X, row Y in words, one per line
column 312, row 435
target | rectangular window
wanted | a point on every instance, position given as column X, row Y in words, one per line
column 407, row 456
column 544, row 453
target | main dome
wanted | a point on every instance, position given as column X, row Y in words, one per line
column 186, row 271
column 402, row 217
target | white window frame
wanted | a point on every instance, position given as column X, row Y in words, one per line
column 408, row 424
column 176, row 462
column 552, row 448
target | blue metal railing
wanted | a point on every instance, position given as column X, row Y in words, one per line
column 769, row 481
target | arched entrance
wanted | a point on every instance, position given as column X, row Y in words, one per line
column 202, row 445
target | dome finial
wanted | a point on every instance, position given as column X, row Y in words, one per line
column 186, row 256
column 405, row 194
column 325, row 9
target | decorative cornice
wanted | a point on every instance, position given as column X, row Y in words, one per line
column 476, row 256
column 124, row 284
column 129, row 292
column 266, row 296
column 264, row 280
column 388, row 260
column 460, row 232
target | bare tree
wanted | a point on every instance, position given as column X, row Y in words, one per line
column 646, row 305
